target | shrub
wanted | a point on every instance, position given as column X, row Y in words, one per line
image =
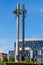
column 19, row 63
column 11, row 58
column 5, row 58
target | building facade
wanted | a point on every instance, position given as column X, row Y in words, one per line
column 11, row 54
column 33, row 49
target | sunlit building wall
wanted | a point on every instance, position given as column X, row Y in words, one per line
column 33, row 49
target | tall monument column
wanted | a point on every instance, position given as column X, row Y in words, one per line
column 17, row 12
column 23, row 31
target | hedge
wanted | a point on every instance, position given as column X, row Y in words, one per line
column 21, row 63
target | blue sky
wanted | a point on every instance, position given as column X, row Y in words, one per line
column 33, row 22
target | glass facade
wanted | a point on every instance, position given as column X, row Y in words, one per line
column 35, row 45
column 11, row 53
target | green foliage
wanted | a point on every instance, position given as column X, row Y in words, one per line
column 11, row 58
column 5, row 63
column 0, row 61
column 21, row 63
column 5, row 58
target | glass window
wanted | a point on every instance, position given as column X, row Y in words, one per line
column 39, row 52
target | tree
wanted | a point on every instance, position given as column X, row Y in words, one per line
column 11, row 58
column 5, row 58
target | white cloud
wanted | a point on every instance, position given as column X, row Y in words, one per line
column 3, row 49
column 5, row 41
column 5, row 45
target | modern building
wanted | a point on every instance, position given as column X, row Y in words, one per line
column 11, row 53
column 33, row 49
column 2, row 54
